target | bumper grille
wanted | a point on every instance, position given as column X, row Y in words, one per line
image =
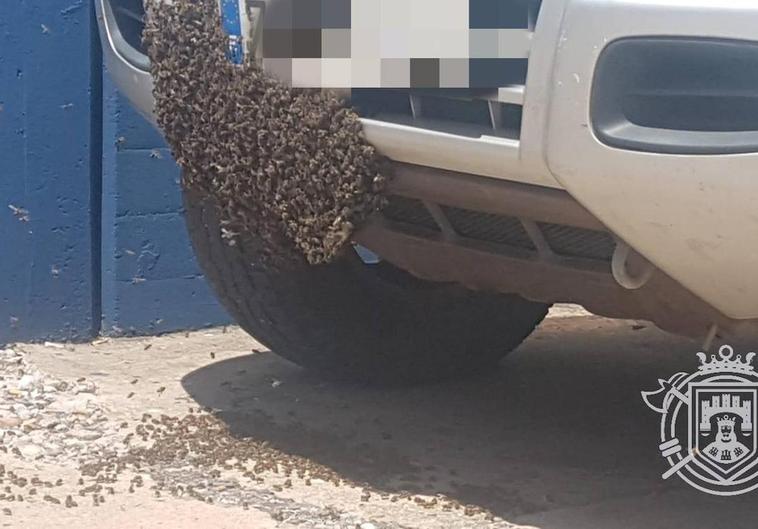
column 578, row 242
column 462, row 111
column 471, row 112
column 411, row 216
column 410, row 212
column 486, row 227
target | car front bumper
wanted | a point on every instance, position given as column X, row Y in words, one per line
column 691, row 215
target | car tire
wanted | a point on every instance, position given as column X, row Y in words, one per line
column 367, row 323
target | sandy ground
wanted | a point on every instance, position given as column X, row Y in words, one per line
column 558, row 437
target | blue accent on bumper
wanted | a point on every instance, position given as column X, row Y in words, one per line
column 232, row 24
column 367, row 256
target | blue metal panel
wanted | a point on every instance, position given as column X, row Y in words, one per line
column 232, row 24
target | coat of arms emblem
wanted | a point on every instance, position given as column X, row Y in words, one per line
column 708, row 419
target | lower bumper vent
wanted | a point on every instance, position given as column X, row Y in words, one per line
column 410, row 215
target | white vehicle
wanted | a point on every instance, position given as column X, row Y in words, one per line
column 617, row 170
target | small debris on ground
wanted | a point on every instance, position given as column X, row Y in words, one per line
column 49, row 422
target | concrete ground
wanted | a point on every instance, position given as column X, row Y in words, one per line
column 234, row 436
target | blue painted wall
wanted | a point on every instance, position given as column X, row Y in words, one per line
column 91, row 234
column 150, row 279
column 49, row 165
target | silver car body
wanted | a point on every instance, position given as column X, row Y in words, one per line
column 692, row 216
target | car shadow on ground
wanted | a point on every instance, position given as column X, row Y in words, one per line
column 558, row 432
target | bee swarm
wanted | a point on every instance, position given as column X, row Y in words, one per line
column 289, row 166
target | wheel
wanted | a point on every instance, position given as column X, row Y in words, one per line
column 368, row 323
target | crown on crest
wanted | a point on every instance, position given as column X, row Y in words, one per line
column 726, row 420
column 724, row 361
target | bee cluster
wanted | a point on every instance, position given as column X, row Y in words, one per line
column 290, row 166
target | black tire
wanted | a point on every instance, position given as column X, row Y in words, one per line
column 368, row 323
